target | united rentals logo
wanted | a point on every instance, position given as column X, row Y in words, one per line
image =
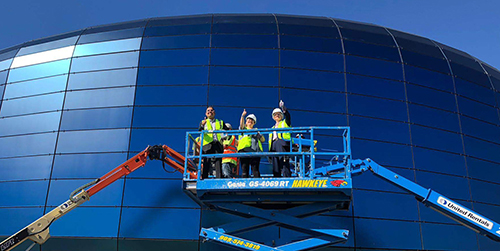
column 464, row 212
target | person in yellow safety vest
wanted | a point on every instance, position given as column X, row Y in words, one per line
column 249, row 143
column 280, row 141
column 229, row 163
column 211, row 142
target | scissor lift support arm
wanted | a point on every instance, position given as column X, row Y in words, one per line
column 38, row 231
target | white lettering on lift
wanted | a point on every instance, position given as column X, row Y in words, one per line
column 464, row 212
column 231, row 184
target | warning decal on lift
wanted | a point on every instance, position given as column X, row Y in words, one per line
column 454, row 207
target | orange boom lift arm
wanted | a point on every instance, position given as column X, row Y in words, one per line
column 38, row 231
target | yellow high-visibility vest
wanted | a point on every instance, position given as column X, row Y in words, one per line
column 209, row 137
column 286, row 135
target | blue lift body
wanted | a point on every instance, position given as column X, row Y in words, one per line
column 287, row 202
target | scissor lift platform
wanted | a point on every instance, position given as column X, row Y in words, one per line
column 286, row 202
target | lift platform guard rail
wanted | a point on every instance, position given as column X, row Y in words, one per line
column 321, row 182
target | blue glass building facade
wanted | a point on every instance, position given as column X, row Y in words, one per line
column 76, row 105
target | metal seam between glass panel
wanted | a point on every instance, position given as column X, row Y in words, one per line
column 209, row 61
column 279, row 55
column 409, row 129
column 493, row 88
column 130, row 134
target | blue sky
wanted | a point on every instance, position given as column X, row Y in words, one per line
column 471, row 26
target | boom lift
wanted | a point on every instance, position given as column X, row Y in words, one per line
column 267, row 201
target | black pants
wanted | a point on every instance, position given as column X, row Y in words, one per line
column 247, row 162
column 212, row 148
column 281, row 167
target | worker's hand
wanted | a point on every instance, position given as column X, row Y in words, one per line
column 204, row 121
column 244, row 113
column 282, row 105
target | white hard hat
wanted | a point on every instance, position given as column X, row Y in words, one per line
column 276, row 110
column 251, row 116
column 229, row 126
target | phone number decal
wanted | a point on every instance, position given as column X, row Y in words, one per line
column 239, row 242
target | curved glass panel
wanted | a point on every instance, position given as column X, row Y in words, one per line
column 5, row 64
column 97, row 119
column 175, row 57
column 107, row 47
column 99, row 79
column 311, row 44
column 427, row 78
column 48, row 46
column 44, row 103
column 249, row 76
column 177, row 30
column 36, row 144
column 45, row 122
column 102, row 141
column 100, row 98
column 376, row 68
column 85, row 165
column 36, row 87
column 252, row 57
column 43, row 57
column 312, row 60
column 25, row 168
column 372, row 51
column 39, row 71
column 171, row 95
column 424, row 61
column 176, row 42
column 377, row 107
column 245, row 41
column 173, row 76
column 316, row 80
column 245, row 28
column 111, row 61
column 111, row 35
column 375, row 87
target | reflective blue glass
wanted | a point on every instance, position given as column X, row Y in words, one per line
column 482, row 149
column 86, row 165
column 110, row 35
column 102, row 141
column 176, row 42
column 454, row 187
column 481, row 169
column 306, row 118
column 244, row 18
column 382, row 234
column 15, row 218
column 141, row 138
column 177, row 30
column 377, row 129
column 5, row 64
column 9, row 52
column 136, row 188
column 25, row 168
column 123, row 77
column 112, row 61
column 386, row 154
column 107, row 47
column 309, row 30
column 377, row 107
column 371, row 51
column 35, row 87
column 474, row 91
column 434, row 118
column 59, row 190
column 97, row 119
column 375, row 87
column 476, row 128
column 171, row 95
column 42, row 144
column 427, row 48
column 100, row 98
column 324, row 101
column 218, row 96
column 44, row 103
column 420, row 60
column 47, row 46
column 367, row 37
column 310, row 44
column 448, row 237
column 44, row 122
column 157, row 117
column 249, row 76
column 373, row 67
column 462, row 58
column 436, row 139
column 368, row 205
column 478, row 110
column 316, row 80
column 478, row 77
column 175, row 57
column 251, row 57
column 183, row 20
column 160, row 223
column 245, row 41
column 37, row 189
column 249, row 28
column 312, row 60
column 173, row 76
column 3, row 76
column 88, row 218
column 430, row 97
column 429, row 78
column 39, row 70
column 478, row 194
